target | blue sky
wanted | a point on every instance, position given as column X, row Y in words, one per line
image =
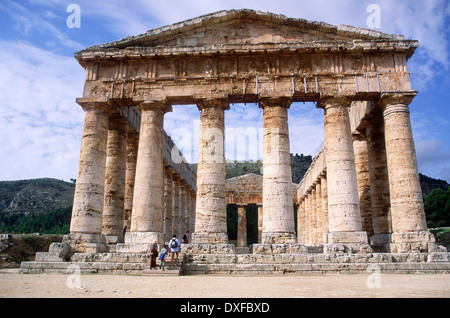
column 41, row 124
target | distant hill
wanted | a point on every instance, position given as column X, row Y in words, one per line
column 299, row 163
column 35, row 195
column 428, row 184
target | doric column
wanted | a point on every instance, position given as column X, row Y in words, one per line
column 187, row 210
column 313, row 220
column 211, row 212
column 176, row 205
column 279, row 224
column 379, row 182
column 343, row 202
column 301, row 221
column 146, row 220
column 86, row 222
column 114, row 198
column 130, row 174
column 182, row 214
column 363, row 181
column 407, row 212
column 308, row 218
column 324, row 200
column 242, row 225
column 168, row 197
column 192, row 213
column 318, row 234
column 260, row 222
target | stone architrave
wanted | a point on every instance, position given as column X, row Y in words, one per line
column 86, row 221
column 114, row 198
column 278, row 222
column 211, row 213
column 409, row 228
column 146, row 221
column 344, row 218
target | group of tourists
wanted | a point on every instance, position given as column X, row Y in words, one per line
column 173, row 247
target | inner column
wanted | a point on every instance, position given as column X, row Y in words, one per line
column 343, row 201
column 113, row 206
column 278, row 221
column 242, row 225
column 211, row 212
column 148, row 198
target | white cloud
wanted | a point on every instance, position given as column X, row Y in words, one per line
column 40, row 120
column 30, row 23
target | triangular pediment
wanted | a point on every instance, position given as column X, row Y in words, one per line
column 241, row 27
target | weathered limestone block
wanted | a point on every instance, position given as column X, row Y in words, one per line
column 57, row 252
column 86, row 243
column 269, row 249
column 207, row 248
column 139, row 242
column 278, row 223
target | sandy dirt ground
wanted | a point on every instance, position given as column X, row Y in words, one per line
column 14, row 285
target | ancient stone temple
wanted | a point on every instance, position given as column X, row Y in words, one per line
column 360, row 202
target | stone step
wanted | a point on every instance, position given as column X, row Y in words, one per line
column 320, row 268
column 168, row 270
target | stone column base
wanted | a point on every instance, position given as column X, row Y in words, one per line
column 139, row 242
column 279, row 249
column 347, row 242
column 278, row 238
column 86, row 243
column 380, row 242
column 196, row 248
column 113, row 239
column 209, row 238
column 413, row 242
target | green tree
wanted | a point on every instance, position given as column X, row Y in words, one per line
column 437, row 208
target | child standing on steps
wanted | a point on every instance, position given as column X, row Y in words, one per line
column 162, row 257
